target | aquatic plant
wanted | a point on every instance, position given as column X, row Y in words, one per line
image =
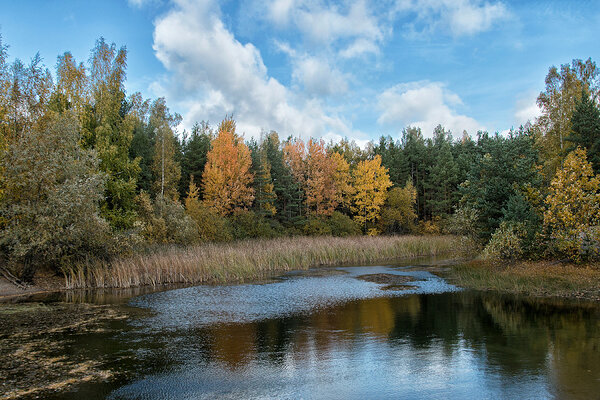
column 249, row 259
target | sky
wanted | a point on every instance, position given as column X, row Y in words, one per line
column 325, row 69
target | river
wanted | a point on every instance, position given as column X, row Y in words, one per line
column 328, row 333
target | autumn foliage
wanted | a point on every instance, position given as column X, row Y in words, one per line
column 573, row 207
column 371, row 182
column 227, row 179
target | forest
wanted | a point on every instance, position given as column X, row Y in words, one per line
column 88, row 171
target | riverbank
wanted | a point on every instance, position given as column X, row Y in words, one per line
column 534, row 278
column 251, row 260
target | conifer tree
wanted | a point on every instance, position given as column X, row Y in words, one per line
column 585, row 129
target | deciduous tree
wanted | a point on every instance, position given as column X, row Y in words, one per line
column 227, row 178
column 573, row 214
column 371, row 182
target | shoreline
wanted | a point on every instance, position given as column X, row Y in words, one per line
column 547, row 278
column 235, row 262
column 533, row 278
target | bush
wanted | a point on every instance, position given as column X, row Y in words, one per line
column 464, row 222
column 49, row 208
column 248, row 225
column 316, row 227
column 165, row 221
column 506, row 242
column 431, row 227
column 342, row 225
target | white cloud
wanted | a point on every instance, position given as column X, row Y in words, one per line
column 423, row 104
column 355, row 25
column 526, row 108
column 460, row 17
column 318, row 77
column 213, row 74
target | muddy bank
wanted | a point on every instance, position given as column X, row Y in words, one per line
column 43, row 283
column 391, row 281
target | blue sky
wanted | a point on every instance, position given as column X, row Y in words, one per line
column 331, row 69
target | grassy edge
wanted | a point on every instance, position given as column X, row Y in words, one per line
column 250, row 260
column 533, row 278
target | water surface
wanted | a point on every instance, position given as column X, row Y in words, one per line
column 331, row 335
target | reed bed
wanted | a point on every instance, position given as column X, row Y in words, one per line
column 249, row 260
column 535, row 278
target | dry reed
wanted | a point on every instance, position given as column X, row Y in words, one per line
column 251, row 259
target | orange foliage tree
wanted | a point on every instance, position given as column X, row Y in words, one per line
column 227, row 179
column 324, row 177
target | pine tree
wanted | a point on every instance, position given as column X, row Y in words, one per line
column 195, row 149
column 585, row 129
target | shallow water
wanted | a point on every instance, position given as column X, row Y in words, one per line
column 331, row 335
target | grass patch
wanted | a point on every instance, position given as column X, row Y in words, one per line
column 542, row 278
column 251, row 259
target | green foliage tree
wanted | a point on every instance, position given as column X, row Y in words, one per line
column 443, row 177
column 585, row 129
column 50, row 207
column 166, row 169
column 557, row 103
column 398, row 214
column 110, row 132
column 506, row 166
column 195, row 149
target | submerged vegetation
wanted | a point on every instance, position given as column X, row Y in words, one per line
column 250, row 259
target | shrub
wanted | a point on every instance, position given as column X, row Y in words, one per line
column 50, row 209
column 248, row 225
column 165, row 221
column 506, row 242
column 342, row 225
column 431, row 227
column 316, row 227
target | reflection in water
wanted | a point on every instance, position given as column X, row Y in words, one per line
column 340, row 337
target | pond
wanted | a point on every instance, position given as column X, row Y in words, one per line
column 329, row 333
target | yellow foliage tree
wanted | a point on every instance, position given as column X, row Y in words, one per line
column 342, row 180
column 399, row 215
column 370, row 181
column 211, row 226
column 227, row 179
column 573, row 207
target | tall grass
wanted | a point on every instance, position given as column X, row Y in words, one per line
column 540, row 278
column 252, row 259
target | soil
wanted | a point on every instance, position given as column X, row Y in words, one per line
column 43, row 282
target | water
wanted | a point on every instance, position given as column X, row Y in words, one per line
column 333, row 336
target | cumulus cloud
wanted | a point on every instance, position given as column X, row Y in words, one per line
column 355, row 28
column 214, row 74
column 526, row 108
column 460, row 17
column 318, row 77
column 425, row 105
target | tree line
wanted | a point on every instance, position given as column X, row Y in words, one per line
column 89, row 171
